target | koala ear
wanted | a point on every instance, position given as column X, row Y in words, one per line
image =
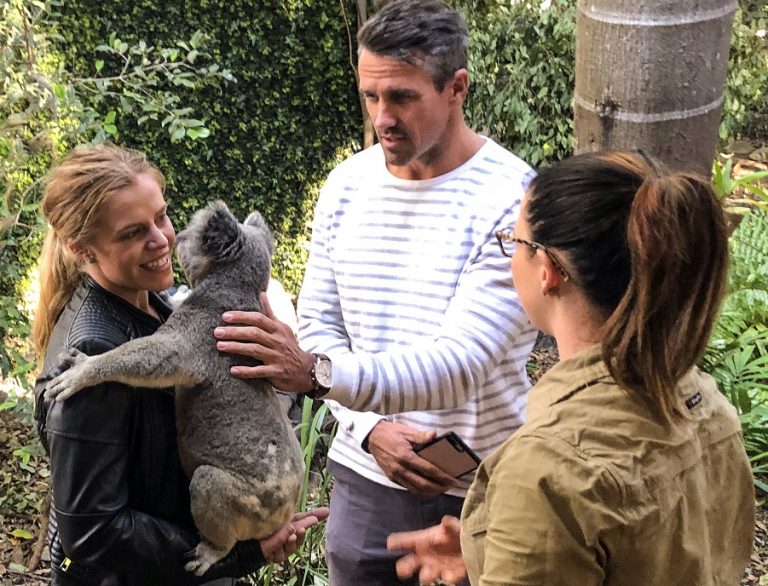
column 222, row 238
column 256, row 220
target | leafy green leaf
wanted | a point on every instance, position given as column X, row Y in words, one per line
column 195, row 133
column 21, row 534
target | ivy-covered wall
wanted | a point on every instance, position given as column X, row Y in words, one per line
column 282, row 125
column 275, row 132
column 522, row 72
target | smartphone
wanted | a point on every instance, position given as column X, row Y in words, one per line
column 449, row 453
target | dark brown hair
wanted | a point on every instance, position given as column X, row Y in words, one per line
column 649, row 249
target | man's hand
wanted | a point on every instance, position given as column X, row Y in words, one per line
column 391, row 444
column 286, row 540
column 263, row 337
column 434, row 552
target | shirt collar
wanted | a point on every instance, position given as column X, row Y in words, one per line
column 565, row 379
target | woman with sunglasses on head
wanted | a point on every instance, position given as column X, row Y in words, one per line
column 630, row 468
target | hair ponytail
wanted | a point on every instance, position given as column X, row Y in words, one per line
column 649, row 250
column 677, row 241
column 59, row 276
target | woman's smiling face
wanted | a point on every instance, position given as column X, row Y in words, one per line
column 133, row 243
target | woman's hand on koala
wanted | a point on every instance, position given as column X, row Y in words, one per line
column 290, row 537
column 263, row 337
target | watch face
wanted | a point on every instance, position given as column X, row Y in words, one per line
column 323, row 373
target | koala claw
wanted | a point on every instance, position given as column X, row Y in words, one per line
column 70, row 357
column 70, row 381
column 61, row 388
column 204, row 557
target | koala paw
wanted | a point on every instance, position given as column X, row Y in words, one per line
column 205, row 555
column 69, row 382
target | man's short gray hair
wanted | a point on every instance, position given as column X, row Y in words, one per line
column 421, row 32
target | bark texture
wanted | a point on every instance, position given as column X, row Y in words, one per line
column 650, row 75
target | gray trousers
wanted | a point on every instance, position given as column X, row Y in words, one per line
column 363, row 514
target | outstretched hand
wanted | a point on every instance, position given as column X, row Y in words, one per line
column 435, row 553
column 289, row 538
column 265, row 338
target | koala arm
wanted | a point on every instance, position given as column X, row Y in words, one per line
column 156, row 361
column 87, row 442
column 87, row 439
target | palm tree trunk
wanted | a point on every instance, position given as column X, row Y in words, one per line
column 650, row 75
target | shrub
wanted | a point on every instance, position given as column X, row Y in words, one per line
column 522, row 71
column 275, row 133
column 737, row 355
column 43, row 115
column 745, row 106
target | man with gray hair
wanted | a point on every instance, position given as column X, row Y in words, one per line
column 409, row 325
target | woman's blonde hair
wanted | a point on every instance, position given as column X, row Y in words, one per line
column 75, row 191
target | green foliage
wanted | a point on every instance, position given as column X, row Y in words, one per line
column 307, row 565
column 745, row 106
column 737, row 355
column 748, row 277
column 741, row 193
column 522, row 65
column 44, row 111
column 522, row 71
column 274, row 135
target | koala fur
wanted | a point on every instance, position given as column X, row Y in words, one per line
column 235, row 442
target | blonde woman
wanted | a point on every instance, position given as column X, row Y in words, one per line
column 121, row 513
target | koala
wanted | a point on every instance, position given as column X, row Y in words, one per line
column 235, row 442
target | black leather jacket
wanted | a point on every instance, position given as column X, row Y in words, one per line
column 121, row 512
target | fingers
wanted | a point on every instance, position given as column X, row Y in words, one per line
column 285, row 549
column 406, row 540
column 291, row 545
column 290, row 537
column 273, row 547
column 418, row 484
column 251, row 333
column 320, row 513
column 406, row 566
column 304, row 523
column 249, row 349
column 416, row 436
column 451, row 524
column 421, row 474
column 250, row 318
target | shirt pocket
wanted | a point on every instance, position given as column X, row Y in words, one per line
column 473, row 532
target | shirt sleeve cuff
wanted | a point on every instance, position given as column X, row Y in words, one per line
column 345, row 376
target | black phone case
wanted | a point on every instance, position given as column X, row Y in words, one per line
column 449, row 453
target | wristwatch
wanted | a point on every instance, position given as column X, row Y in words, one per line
column 321, row 376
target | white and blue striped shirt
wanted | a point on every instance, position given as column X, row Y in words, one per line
column 407, row 292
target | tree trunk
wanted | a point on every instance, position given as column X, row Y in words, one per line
column 368, row 133
column 650, row 75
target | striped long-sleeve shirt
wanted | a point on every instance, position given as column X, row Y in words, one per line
column 407, row 292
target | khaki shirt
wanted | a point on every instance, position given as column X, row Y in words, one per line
column 596, row 489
